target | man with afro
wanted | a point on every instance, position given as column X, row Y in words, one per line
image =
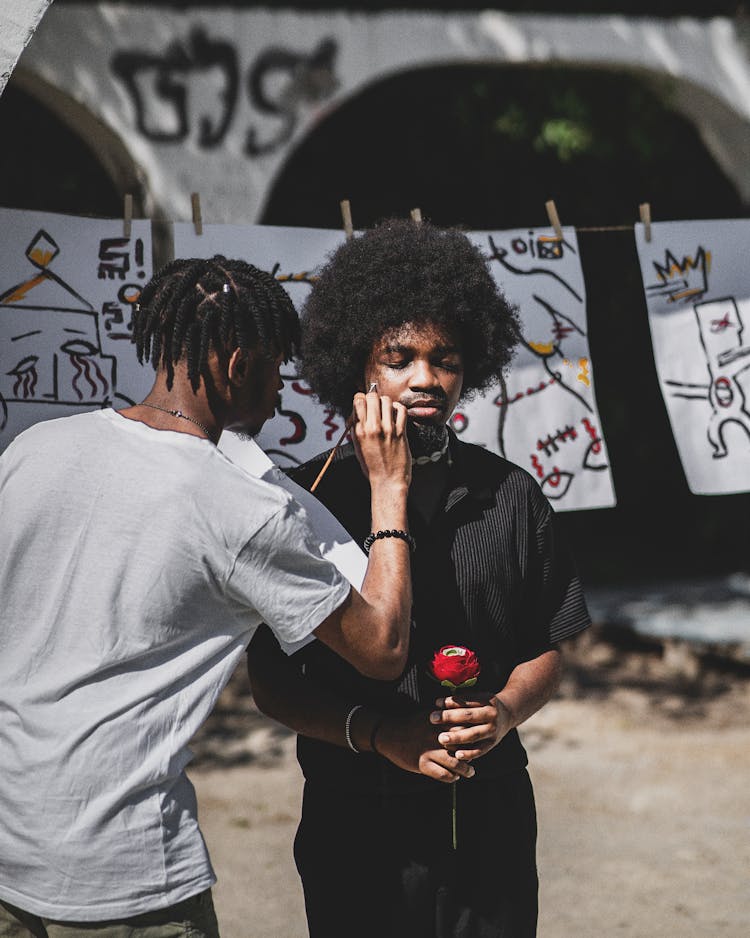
column 383, row 848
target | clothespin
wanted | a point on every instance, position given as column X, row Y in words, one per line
column 127, row 216
column 554, row 219
column 195, row 200
column 346, row 218
column 416, row 216
column 644, row 210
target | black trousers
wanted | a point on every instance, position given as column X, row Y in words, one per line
column 384, row 865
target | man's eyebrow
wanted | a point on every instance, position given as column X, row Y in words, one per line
column 399, row 349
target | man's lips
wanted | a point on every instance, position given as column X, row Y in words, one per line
column 425, row 408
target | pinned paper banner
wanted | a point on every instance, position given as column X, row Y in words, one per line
column 697, row 285
column 302, row 428
column 544, row 416
column 67, row 289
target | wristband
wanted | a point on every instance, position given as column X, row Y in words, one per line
column 377, row 535
column 348, row 727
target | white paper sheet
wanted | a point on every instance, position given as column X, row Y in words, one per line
column 67, row 289
column 545, row 419
column 302, row 428
column 696, row 276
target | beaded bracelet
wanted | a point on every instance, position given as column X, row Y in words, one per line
column 377, row 535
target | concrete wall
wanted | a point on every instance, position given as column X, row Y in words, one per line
column 215, row 100
column 17, row 24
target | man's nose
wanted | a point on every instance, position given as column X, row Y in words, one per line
column 423, row 375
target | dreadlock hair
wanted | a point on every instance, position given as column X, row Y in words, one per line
column 397, row 273
column 193, row 304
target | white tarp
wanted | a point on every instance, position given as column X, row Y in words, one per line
column 67, row 289
column 556, row 435
column 17, row 24
column 697, row 282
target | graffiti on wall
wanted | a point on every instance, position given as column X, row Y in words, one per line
column 67, row 290
column 192, row 89
column 695, row 281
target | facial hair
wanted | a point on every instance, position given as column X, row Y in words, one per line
column 425, row 438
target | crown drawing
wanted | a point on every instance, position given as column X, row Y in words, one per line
column 682, row 280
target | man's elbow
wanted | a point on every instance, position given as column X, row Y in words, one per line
column 263, row 701
column 386, row 664
column 266, row 688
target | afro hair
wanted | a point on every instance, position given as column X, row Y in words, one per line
column 397, row 273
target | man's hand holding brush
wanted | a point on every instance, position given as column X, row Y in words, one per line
column 378, row 431
column 381, row 612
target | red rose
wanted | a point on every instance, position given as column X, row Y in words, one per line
column 455, row 666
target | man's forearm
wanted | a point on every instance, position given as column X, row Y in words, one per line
column 283, row 693
column 530, row 685
column 386, row 590
column 371, row 628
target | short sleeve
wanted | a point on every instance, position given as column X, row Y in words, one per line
column 282, row 575
column 555, row 590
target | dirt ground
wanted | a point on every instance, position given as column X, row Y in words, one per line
column 641, row 767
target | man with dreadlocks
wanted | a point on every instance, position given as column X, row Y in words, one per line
column 137, row 562
column 415, row 308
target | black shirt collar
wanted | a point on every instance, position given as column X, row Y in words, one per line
column 467, row 476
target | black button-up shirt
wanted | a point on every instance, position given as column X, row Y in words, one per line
column 489, row 572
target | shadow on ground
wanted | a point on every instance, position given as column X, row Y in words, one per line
column 679, row 680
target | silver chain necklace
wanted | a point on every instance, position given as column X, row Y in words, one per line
column 178, row 413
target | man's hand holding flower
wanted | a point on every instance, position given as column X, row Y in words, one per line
column 470, row 727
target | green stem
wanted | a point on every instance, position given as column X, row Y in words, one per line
column 453, row 806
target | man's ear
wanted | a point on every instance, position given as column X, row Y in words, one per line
column 238, row 367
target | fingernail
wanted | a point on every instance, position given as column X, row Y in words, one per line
column 472, row 772
column 434, row 717
column 440, row 702
column 444, row 738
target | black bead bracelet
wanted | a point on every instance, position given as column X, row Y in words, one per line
column 378, row 535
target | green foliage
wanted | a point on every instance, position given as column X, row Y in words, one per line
column 566, row 138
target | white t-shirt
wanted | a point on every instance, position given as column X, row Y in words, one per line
column 135, row 565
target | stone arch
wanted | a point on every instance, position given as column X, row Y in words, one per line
column 723, row 132
column 108, row 148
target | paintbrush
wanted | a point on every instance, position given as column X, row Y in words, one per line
column 347, row 427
